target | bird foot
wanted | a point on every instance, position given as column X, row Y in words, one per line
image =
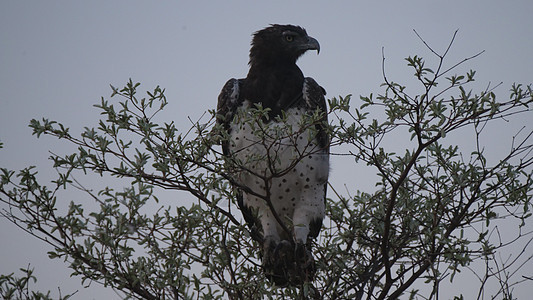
column 304, row 264
column 285, row 264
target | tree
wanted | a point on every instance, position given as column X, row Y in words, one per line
column 434, row 210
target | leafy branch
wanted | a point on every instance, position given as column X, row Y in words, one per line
column 434, row 211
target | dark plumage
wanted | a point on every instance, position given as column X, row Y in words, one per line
column 279, row 160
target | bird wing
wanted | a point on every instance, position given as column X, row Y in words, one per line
column 228, row 102
column 314, row 96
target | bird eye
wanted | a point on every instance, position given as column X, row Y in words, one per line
column 289, row 38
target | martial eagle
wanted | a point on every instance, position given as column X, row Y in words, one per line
column 277, row 149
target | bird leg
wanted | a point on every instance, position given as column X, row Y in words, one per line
column 305, row 263
column 276, row 257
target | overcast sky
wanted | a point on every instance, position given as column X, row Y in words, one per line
column 57, row 58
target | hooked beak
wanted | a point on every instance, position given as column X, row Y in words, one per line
column 312, row 44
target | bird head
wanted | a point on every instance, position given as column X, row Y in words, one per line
column 281, row 44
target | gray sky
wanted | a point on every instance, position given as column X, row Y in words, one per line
column 57, row 58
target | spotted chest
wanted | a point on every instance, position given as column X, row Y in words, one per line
column 281, row 163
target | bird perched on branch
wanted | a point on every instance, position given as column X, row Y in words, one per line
column 277, row 149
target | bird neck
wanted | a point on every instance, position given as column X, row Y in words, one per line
column 274, row 86
column 274, row 71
